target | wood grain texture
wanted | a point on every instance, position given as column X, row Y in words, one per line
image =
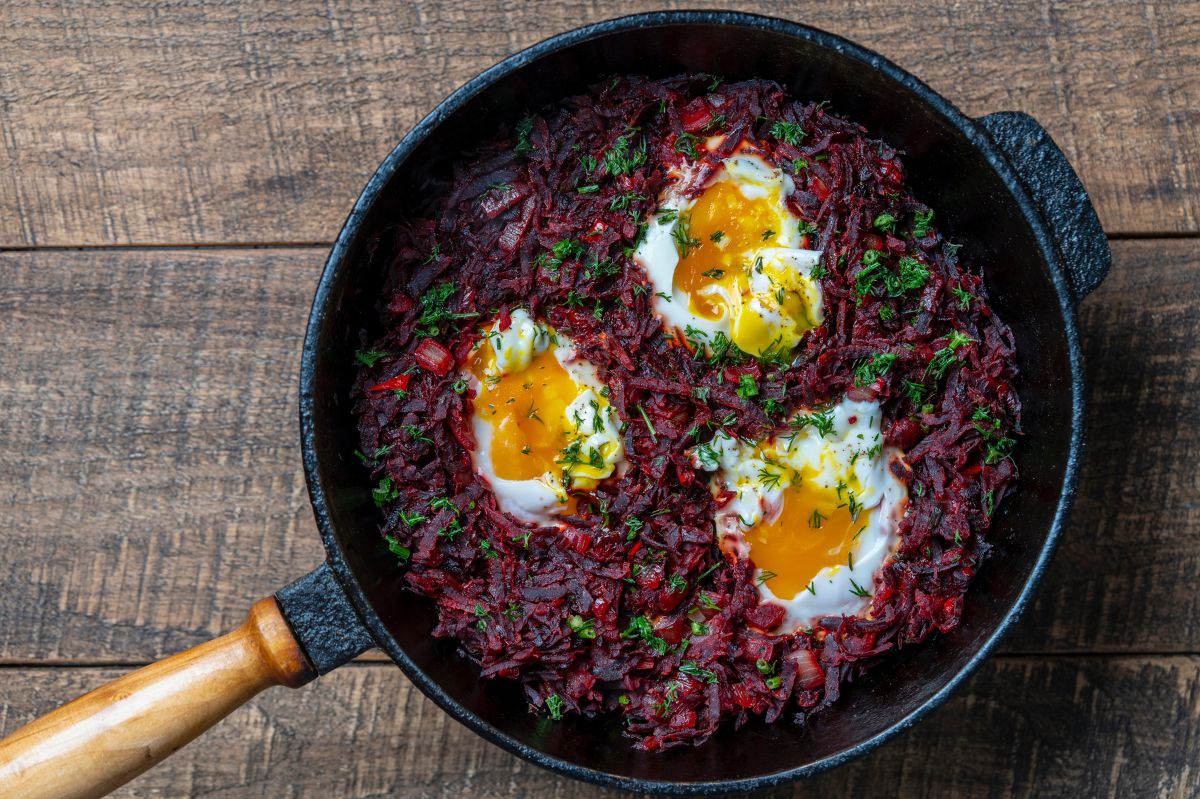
column 1119, row 581
column 149, row 416
column 1023, row 727
column 130, row 121
column 150, row 473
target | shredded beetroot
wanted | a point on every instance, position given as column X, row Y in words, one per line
column 604, row 614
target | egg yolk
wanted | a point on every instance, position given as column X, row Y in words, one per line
column 738, row 225
column 729, row 268
column 813, row 530
column 524, row 409
column 539, row 431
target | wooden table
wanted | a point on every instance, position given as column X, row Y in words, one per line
column 170, row 179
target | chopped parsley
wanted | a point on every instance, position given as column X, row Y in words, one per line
column 922, row 221
column 387, row 491
column 620, row 159
column 869, row 370
column 416, row 433
column 635, row 526
column 788, row 132
column 764, row 576
column 692, row 669
column 682, row 234
column 646, row 419
column 913, row 273
column 943, row 358
column 563, row 250
column 435, row 309
column 369, row 358
column 885, row 222
column 401, row 552
column 584, row 628
column 686, row 145
column 410, row 519
column 822, row 422
column 554, row 706
column 443, row 503
column 524, row 129
column 914, row 391
column 998, row 446
column 642, row 629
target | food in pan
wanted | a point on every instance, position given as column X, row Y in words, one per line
column 682, row 407
column 544, row 429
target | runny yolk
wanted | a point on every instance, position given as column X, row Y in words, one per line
column 526, row 410
column 810, row 533
column 744, row 225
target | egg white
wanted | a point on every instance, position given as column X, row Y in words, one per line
column 851, row 453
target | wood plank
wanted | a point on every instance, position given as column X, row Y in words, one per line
column 1132, row 543
column 225, row 122
column 1046, row 727
column 150, row 474
column 149, row 427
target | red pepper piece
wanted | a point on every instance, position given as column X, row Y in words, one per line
column 809, row 674
column 433, row 357
column 397, row 383
column 695, row 116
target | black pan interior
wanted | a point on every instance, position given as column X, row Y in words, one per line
column 972, row 203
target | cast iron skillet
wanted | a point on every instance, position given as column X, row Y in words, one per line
column 1000, row 186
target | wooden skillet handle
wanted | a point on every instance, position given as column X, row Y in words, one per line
column 105, row 738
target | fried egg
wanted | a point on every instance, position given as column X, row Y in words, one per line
column 814, row 506
column 728, row 264
column 542, row 421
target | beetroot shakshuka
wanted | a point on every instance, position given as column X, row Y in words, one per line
column 685, row 409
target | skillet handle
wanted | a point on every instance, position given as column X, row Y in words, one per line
column 1059, row 194
column 102, row 740
column 325, row 624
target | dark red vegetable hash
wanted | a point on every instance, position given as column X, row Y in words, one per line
column 630, row 607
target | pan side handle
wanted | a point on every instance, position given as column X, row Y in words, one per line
column 1059, row 193
column 103, row 739
column 325, row 624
